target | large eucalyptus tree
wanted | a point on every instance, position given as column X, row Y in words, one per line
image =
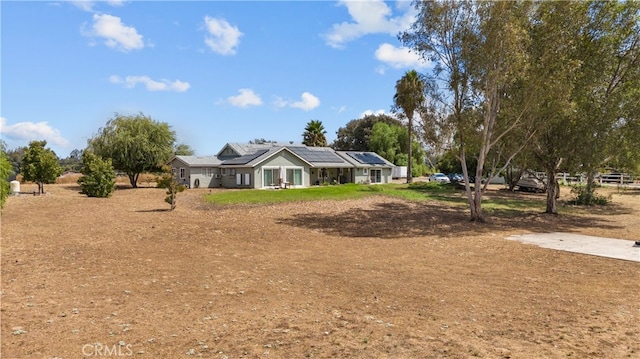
column 479, row 49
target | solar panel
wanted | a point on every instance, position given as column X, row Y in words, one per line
column 316, row 155
column 243, row 160
column 367, row 158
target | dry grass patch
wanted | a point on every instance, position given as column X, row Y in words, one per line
column 376, row 277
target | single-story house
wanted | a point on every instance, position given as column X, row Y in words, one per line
column 276, row 165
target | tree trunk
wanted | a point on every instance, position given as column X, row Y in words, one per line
column 590, row 182
column 476, row 211
column 40, row 188
column 409, row 152
column 474, row 198
column 553, row 191
column 133, row 179
column 514, row 177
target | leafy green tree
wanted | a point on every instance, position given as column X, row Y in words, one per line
column 552, row 51
column 356, row 135
column 15, row 157
column 261, row 141
column 73, row 162
column 587, row 54
column 184, row 149
column 388, row 141
column 314, row 134
column 5, row 172
column 409, row 98
column 99, row 178
column 391, row 141
column 40, row 165
column 169, row 182
column 607, row 87
column 135, row 144
column 480, row 53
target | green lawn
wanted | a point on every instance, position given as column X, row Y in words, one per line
column 416, row 191
column 419, row 191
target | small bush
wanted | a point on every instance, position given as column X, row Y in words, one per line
column 583, row 197
column 99, row 178
column 171, row 184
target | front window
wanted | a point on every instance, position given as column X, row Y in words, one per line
column 182, row 173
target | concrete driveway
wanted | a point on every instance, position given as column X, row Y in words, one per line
column 579, row 243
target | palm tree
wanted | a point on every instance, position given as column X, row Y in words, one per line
column 409, row 97
column 314, row 134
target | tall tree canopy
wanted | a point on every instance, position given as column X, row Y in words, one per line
column 480, row 53
column 409, row 98
column 559, row 80
column 135, row 144
column 390, row 142
column 356, row 135
column 73, row 162
column 183, row 149
column 607, row 86
column 314, row 134
column 40, row 165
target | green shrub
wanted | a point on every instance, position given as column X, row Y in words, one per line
column 584, row 197
column 171, row 184
column 99, row 178
column 5, row 172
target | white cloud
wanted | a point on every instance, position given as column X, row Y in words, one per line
column 307, row 102
column 368, row 17
column 88, row 5
column 150, row 84
column 115, row 2
column 116, row 34
column 29, row 131
column 399, row 57
column 280, row 102
column 84, row 5
column 224, row 38
column 246, row 98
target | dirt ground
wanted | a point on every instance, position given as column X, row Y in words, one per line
column 370, row 278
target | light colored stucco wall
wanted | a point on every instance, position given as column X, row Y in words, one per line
column 285, row 160
column 360, row 177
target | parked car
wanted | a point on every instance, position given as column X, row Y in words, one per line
column 440, row 178
column 531, row 184
column 455, row 177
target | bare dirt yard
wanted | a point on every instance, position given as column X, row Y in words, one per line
column 371, row 278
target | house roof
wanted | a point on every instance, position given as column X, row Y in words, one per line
column 196, row 161
column 365, row 159
column 251, row 155
column 319, row 157
column 248, row 148
column 259, row 156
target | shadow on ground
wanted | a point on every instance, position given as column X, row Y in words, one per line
column 398, row 220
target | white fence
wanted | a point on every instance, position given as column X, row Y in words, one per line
column 601, row 178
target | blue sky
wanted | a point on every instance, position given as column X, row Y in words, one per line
column 216, row 71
